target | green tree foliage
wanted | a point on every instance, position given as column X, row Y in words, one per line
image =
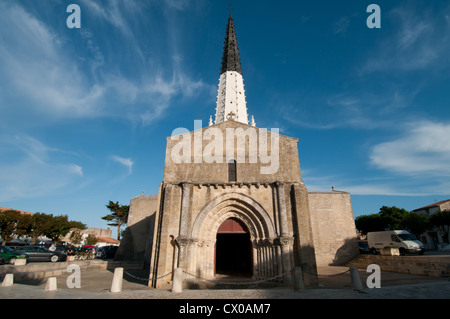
column 76, row 237
column 57, row 227
column 441, row 220
column 8, row 224
column 416, row 223
column 392, row 218
column 24, row 225
column 91, row 240
column 13, row 223
column 118, row 216
column 78, row 225
column 369, row 223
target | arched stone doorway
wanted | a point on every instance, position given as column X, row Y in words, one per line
column 233, row 249
column 266, row 246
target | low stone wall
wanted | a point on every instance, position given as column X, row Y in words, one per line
column 43, row 270
column 432, row 266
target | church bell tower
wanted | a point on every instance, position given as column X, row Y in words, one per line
column 231, row 104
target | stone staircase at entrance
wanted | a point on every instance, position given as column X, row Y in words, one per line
column 433, row 266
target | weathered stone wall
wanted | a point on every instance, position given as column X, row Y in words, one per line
column 140, row 227
column 333, row 227
column 287, row 225
column 197, row 197
column 276, row 215
column 445, row 206
column 252, row 167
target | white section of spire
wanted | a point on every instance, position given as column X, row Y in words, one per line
column 231, row 104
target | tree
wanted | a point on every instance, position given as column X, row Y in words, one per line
column 416, row 223
column 24, row 225
column 78, row 225
column 40, row 224
column 90, row 240
column 393, row 217
column 58, row 226
column 118, row 217
column 369, row 223
column 52, row 227
column 76, row 237
column 8, row 225
column 13, row 223
column 441, row 220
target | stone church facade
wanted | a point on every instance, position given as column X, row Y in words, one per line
column 232, row 201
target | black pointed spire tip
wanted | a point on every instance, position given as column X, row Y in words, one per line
column 230, row 58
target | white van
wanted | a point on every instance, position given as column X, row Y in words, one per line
column 401, row 239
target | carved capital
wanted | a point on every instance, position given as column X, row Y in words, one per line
column 184, row 242
column 286, row 241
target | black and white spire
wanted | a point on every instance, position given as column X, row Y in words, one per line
column 231, row 104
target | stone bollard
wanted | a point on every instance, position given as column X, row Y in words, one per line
column 177, row 281
column 116, row 285
column 8, row 281
column 51, row 284
column 356, row 279
column 298, row 279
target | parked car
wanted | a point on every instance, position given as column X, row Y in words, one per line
column 9, row 255
column 39, row 253
column 106, row 252
column 363, row 247
column 89, row 249
column 60, row 249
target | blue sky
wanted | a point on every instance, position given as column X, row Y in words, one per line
column 84, row 113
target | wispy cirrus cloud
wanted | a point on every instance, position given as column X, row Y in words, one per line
column 39, row 77
column 42, row 73
column 127, row 162
column 421, row 41
column 29, row 168
column 341, row 25
column 413, row 162
column 422, row 149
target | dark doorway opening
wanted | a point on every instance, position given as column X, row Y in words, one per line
column 233, row 249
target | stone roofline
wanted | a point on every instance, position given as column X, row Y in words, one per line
column 328, row 192
column 239, row 184
column 238, row 123
column 146, row 196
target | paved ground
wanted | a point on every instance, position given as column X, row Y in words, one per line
column 334, row 283
column 333, row 295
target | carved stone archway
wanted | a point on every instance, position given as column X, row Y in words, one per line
column 266, row 250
